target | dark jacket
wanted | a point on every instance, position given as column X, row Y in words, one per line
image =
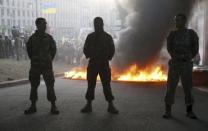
column 99, row 47
column 183, row 45
column 41, row 50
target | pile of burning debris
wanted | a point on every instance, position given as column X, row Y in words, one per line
column 132, row 74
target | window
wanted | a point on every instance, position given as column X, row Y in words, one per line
column 18, row 12
column 8, row 22
column 1, row 2
column 28, row 14
column 14, row 22
column 2, row 12
column 13, row 13
column 8, row 12
column 23, row 4
column 23, row 22
column 2, row 22
column 7, row 2
column 32, row 14
column 23, row 13
column 19, row 23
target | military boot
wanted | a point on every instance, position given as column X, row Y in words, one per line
column 167, row 113
column 54, row 109
column 32, row 109
column 190, row 112
column 87, row 108
column 112, row 109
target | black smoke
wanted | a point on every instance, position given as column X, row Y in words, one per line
column 147, row 25
column 122, row 13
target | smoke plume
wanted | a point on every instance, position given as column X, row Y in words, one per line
column 147, row 24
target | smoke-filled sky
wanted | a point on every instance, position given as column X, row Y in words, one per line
column 147, row 23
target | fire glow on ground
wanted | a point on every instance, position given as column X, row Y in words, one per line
column 131, row 74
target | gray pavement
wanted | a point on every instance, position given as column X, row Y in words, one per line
column 141, row 108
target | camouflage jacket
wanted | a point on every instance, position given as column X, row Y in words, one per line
column 41, row 50
column 183, row 45
column 99, row 47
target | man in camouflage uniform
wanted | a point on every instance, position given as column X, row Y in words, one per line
column 8, row 47
column 18, row 46
column 41, row 49
column 2, row 47
column 182, row 45
column 99, row 48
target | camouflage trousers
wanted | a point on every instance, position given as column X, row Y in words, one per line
column 183, row 71
column 48, row 76
column 104, row 72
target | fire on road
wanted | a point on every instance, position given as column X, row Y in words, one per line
column 133, row 73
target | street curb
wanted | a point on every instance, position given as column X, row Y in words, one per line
column 21, row 81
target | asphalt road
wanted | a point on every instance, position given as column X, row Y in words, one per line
column 141, row 108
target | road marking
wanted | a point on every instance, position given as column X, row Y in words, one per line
column 203, row 89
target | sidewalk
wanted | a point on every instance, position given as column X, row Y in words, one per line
column 21, row 81
column 13, row 72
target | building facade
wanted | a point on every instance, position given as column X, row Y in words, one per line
column 70, row 16
column 65, row 17
column 18, row 13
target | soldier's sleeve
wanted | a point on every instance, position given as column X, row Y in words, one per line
column 170, row 45
column 86, row 47
column 195, row 44
column 53, row 48
column 111, row 49
column 29, row 47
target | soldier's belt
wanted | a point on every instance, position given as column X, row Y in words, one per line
column 181, row 60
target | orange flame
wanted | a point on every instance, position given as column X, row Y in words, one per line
column 133, row 73
column 76, row 73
